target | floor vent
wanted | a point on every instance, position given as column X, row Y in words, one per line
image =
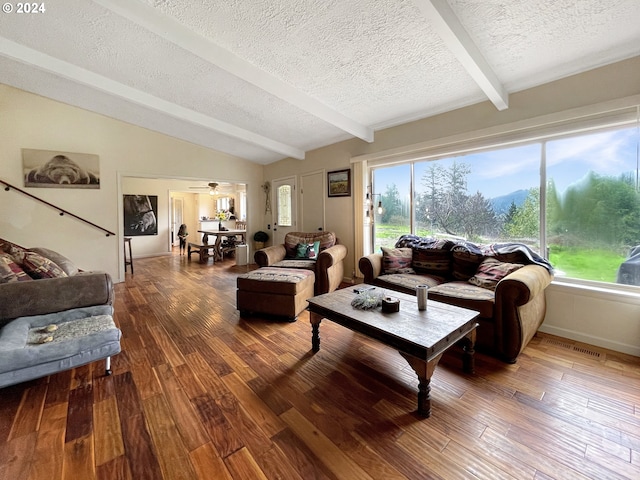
column 586, row 351
column 568, row 346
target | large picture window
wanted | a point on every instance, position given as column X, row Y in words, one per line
column 593, row 207
column 573, row 198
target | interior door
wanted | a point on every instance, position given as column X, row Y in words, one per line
column 284, row 200
column 312, row 201
column 176, row 219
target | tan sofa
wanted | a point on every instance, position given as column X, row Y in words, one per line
column 327, row 265
column 512, row 307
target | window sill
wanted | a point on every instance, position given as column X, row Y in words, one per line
column 612, row 292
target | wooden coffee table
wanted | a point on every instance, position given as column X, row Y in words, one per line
column 421, row 337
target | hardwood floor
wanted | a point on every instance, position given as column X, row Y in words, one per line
column 198, row 393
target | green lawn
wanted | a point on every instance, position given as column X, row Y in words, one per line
column 587, row 264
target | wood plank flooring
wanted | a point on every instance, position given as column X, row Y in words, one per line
column 199, row 393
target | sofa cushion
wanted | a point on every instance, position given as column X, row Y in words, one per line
column 279, row 281
column 83, row 336
column 396, row 260
column 303, row 263
column 10, row 271
column 38, row 266
column 407, row 282
column 462, row 294
column 491, row 271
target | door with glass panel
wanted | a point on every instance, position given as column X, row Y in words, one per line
column 285, row 208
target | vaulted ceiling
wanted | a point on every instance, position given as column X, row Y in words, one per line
column 269, row 79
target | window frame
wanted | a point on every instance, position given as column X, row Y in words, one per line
column 624, row 117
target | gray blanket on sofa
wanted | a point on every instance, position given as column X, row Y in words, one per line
column 486, row 250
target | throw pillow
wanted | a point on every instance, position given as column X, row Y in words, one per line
column 396, row 260
column 491, row 271
column 432, row 261
column 465, row 263
column 12, row 248
column 10, row 271
column 63, row 262
column 307, row 250
column 37, row 266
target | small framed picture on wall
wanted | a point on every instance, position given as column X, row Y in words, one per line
column 339, row 183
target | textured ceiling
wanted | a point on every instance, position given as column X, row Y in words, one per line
column 267, row 79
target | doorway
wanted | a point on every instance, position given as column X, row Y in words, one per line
column 312, row 201
column 177, row 214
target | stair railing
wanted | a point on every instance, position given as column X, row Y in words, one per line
column 62, row 211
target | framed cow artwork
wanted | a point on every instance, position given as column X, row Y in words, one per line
column 140, row 215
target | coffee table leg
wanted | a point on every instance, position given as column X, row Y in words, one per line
column 468, row 359
column 315, row 331
column 424, row 370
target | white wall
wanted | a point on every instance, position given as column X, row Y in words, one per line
column 31, row 121
column 605, row 319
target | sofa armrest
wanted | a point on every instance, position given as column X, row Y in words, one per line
column 330, row 269
column 520, row 308
column 270, row 255
column 524, row 284
column 52, row 295
column 371, row 267
column 331, row 256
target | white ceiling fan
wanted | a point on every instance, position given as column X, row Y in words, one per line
column 211, row 186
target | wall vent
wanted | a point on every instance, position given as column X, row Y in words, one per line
column 568, row 346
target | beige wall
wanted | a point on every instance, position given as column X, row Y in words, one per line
column 31, row 121
column 572, row 312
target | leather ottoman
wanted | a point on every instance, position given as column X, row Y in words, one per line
column 281, row 292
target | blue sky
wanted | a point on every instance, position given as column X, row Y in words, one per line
column 500, row 172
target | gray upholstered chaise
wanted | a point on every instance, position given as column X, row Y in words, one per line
column 78, row 303
column 84, row 335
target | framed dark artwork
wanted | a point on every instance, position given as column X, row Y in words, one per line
column 55, row 169
column 339, row 183
column 140, row 215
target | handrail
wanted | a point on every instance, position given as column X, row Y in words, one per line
column 62, row 211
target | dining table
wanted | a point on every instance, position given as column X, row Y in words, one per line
column 219, row 235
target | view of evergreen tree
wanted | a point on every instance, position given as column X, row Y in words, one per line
column 600, row 210
column 391, row 205
column 480, row 220
column 524, row 222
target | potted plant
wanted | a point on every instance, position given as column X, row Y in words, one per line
column 259, row 239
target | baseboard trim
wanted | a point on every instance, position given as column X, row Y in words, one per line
column 592, row 340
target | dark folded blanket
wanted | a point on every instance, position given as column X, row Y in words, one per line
column 498, row 249
column 489, row 250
